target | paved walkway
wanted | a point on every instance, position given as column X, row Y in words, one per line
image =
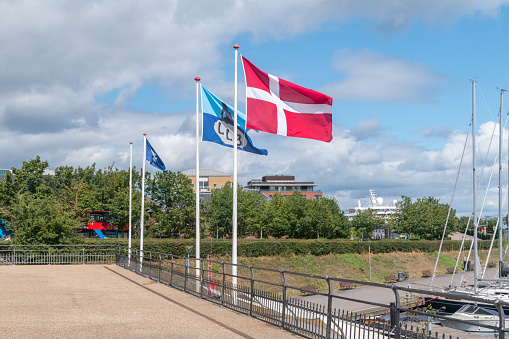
column 385, row 296
column 107, row 301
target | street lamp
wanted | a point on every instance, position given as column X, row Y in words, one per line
column 369, row 256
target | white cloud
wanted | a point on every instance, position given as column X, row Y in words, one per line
column 367, row 129
column 376, row 77
column 57, row 57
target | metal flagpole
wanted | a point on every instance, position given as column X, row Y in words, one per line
column 130, row 198
column 197, row 184
column 142, row 219
column 234, row 224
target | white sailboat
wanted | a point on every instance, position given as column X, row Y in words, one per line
column 493, row 289
column 479, row 317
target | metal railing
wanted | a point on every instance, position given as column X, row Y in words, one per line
column 57, row 254
column 271, row 295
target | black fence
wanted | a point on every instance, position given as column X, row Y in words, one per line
column 271, row 295
column 57, row 254
column 278, row 297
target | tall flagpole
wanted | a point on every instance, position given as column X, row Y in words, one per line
column 142, row 200
column 234, row 224
column 197, row 184
column 130, row 197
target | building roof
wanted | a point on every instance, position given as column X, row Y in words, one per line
column 206, row 172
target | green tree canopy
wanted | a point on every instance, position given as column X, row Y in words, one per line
column 173, row 203
column 41, row 218
column 365, row 222
column 426, row 217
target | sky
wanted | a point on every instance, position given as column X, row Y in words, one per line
column 79, row 81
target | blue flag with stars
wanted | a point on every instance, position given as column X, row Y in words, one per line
column 154, row 159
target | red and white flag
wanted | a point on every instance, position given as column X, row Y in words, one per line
column 277, row 106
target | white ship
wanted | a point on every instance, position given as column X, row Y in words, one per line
column 374, row 203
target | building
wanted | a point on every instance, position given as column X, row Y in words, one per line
column 271, row 184
column 209, row 179
column 3, row 173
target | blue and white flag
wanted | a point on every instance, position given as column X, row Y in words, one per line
column 218, row 123
column 154, row 159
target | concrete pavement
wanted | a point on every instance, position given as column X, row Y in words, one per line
column 107, row 301
column 385, row 296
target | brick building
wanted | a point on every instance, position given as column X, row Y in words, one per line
column 285, row 185
column 209, row 179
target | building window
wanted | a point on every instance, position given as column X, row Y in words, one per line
column 192, row 185
column 317, row 197
column 215, row 185
column 272, row 188
column 204, row 185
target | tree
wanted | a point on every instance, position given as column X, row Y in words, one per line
column 295, row 212
column 41, row 218
column 365, row 222
column 220, row 211
column 249, row 213
column 425, row 217
column 332, row 222
column 275, row 217
column 173, row 203
column 26, row 179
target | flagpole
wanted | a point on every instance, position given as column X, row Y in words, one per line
column 197, row 184
column 142, row 200
column 130, row 197
column 234, row 224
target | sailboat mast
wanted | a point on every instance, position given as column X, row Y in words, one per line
column 501, row 136
column 476, row 224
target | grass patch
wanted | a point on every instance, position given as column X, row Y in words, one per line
column 346, row 266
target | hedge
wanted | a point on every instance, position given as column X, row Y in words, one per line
column 256, row 248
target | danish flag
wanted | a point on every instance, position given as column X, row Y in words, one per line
column 278, row 106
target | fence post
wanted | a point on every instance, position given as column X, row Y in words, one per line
column 395, row 323
column 83, row 256
column 252, row 291
column 222, row 287
column 14, row 261
column 202, row 277
column 171, row 271
column 160, row 268
column 49, row 255
column 329, row 307
column 283, row 311
column 149, row 264
column 185, row 275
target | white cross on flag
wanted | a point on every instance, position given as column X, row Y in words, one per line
column 278, row 106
